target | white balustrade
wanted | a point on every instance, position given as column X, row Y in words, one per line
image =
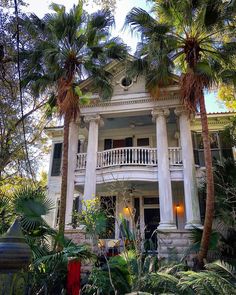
column 130, row 156
column 81, row 161
column 175, row 156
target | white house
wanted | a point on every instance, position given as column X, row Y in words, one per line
column 142, row 155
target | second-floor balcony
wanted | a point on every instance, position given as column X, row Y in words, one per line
column 130, row 156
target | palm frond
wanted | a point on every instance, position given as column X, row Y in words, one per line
column 222, row 268
column 101, row 20
column 59, row 9
column 116, row 49
column 142, row 22
column 206, row 282
column 31, row 204
column 137, row 67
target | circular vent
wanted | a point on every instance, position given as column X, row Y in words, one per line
column 126, row 82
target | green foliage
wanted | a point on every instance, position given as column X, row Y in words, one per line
column 67, row 48
column 226, row 93
column 225, row 190
column 93, row 218
column 217, row 278
column 13, row 162
column 31, row 204
column 184, row 36
column 196, row 236
column 50, row 250
column 99, row 280
column 6, row 213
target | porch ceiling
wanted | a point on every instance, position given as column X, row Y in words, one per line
column 131, row 121
column 135, row 187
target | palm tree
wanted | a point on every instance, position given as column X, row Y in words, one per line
column 68, row 47
column 187, row 36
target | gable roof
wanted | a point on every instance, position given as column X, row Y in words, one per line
column 115, row 66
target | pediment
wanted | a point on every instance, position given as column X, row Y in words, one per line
column 118, row 71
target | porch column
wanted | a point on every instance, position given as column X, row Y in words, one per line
column 190, row 184
column 91, row 160
column 72, row 160
column 164, row 180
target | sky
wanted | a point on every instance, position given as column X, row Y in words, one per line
column 41, row 7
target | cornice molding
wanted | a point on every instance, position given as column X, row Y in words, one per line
column 128, row 101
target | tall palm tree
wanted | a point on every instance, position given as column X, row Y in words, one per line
column 68, row 47
column 188, row 37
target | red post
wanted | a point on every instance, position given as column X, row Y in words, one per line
column 73, row 277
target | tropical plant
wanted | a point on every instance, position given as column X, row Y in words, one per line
column 195, row 237
column 69, row 46
column 48, row 268
column 225, row 189
column 218, row 278
column 186, row 36
column 93, row 218
column 222, row 240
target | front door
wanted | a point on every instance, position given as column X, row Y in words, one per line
column 151, row 221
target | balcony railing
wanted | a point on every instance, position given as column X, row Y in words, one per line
column 175, row 156
column 127, row 156
column 81, row 161
column 130, row 156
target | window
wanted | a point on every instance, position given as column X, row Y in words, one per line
column 143, row 141
column 56, row 162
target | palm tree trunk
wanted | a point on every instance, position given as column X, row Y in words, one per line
column 64, row 176
column 210, row 198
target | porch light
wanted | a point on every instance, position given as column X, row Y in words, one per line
column 126, row 210
column 177, row 207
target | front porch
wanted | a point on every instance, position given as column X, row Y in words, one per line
column 138, row 205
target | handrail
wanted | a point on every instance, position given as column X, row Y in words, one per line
column 175, row 156
column 130, row 156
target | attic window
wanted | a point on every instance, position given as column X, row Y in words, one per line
column 126, row 82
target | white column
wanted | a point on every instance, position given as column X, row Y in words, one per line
column 190, row 184
column 165, row 191
column 72, row 160
column 91, row 161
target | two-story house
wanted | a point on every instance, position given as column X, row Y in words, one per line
column 140, row 154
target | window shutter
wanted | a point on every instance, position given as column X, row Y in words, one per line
column 128, row 141
column 56, row 162
column 107, row 144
